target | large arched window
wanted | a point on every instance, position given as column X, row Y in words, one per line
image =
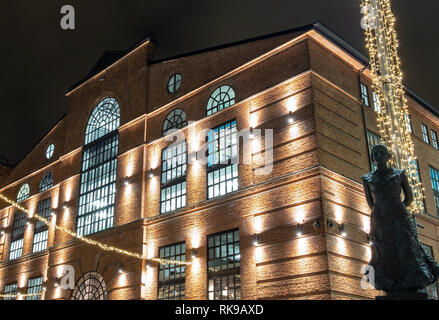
column 23, row 193
column 98, row 173
column 104, row 119
column 47, row 182
column 176, row 119
column 91, row 286
column 220, row 99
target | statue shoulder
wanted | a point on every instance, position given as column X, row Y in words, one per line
column 398, row 172
column 367, row 178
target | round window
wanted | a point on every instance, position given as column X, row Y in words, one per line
column 49, row 151
column 174, row 83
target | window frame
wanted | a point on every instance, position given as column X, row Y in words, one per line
column 17, row 237
column 229, row 92
column 234, row 271
column 181, row 280
column 434, row 179
column 41, row 231
column 182, row 179
column 425, row 134
column 372, row 136
column 364, row 95
column 434, row 139
column 176, row 84
column 408, row 123
column 31, row 288
column 376, row 102
column 46, row 182
column 14, row 291
column 232, row 162
column 170, row 119
column 23, row 192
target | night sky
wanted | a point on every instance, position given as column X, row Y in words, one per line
column 40, row 61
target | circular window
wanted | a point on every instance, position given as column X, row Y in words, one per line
column 91, row 286
column 174, row 83
column 49, row 151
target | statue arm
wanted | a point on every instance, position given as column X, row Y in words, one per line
column 368, row 195
column 408, row 194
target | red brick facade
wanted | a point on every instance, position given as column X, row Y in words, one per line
column 318, row 159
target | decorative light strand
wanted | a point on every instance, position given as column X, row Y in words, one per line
column 14, row 296
column 89, row 241
column 382, row 43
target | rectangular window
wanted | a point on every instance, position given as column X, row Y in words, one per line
column 364, row 94
column 34, row 287
column 372, row 141
column 222, row 167
column 425, row 133
column 171, row 276
column 173, row 182
column 408, row 122
column 434, row 139
column 223, row 263
column 431, row 289
column 41, row 230
column 11, row 290
column 434, row 175
column 16, row 249
column 98, row 186
column 376, row 103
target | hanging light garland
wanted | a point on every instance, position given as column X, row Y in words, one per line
column 382, row 43
column 89, row 241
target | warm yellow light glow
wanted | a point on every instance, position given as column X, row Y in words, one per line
column 254, row 120
column 259, row 254
column 302, row 246
column 195, row 238
column 258, row 224
column 299, row 214
column 366, row 224
column 368, row 253
column 341, row 246
column 338, row 212
column 291, row 103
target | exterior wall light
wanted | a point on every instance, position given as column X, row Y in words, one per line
column 194, row 156
column 252, row 133
column 126, row 182
column 255, row 240
column 2, row 232
column 151, row 174
column 369, row 239
column 120, row 269
column 148, row 264
column 299, row 230
column 194, row 253
column 64, row 205
column 52, row 214
column 57, row 282
column 342, row 230
column 290, row 117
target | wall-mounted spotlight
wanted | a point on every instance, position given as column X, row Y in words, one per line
column 316, row 224
column 151, row 174
column 369, row 239
column 64, row 205
column 148, row 264
column 2, row 232
column 52, row 213
column 290, row 117
column 255, row 240
column 120, row 269
column 126, row 181
column 252, row 132
column 194, row 156
column 343, row 230
column 330, row 224
column 28, row 222
column 299, row 230
column 194, row 253
column 57, row 282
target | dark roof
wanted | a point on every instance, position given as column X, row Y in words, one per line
column 107, row 59
column 110, row 57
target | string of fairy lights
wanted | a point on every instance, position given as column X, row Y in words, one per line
column 382, row 43
column 92, row 242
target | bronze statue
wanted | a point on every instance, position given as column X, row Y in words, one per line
column 400, row 264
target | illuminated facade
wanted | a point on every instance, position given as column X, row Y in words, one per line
column 107, row 172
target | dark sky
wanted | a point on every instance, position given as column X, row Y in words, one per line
column 40, row 61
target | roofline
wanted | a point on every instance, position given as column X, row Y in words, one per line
column 236, row 43
column 330, row 35
column 123, row 55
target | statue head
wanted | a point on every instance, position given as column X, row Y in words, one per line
column 380, row 154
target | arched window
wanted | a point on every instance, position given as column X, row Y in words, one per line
column 220, row 99
column 91, row 286
column 47, row 182
column 104, row 119
column 176, row 119
column 23, row 193
column 98, row 173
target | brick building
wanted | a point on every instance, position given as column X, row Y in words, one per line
column 107, row 171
